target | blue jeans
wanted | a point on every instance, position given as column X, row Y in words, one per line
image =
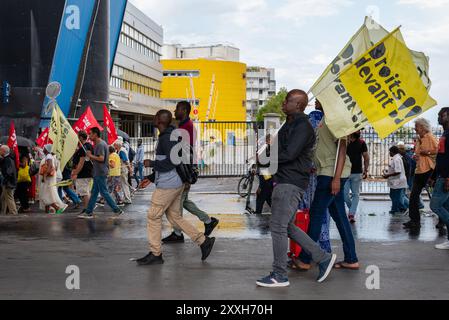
column 353, row 184
column 100, row 187
column 70, row 193
column 399, row 200
column 138, row 169
column 440, row 202
column 323, row 201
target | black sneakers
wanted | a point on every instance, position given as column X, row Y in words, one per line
column 412, row 225
column 150, row 259
column 174, row 238
column 206, row 248
column 208, row 228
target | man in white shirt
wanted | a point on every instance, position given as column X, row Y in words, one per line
column 397, row 181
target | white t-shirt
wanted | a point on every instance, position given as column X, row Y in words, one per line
column 397, row 166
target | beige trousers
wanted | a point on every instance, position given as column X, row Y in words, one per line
column 168, row 202
column 8, row 202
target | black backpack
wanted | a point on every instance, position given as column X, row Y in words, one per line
column 131, row 154
column 188, row 172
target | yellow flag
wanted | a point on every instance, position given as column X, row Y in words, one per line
column 387, row 86
column 65, row 140
column 346, row 116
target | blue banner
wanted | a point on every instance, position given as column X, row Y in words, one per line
column 117, row 10
column 73, row 31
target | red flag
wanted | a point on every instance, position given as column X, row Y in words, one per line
column 109, row 124
column 43, row 138
column 12, row 143
column 86, row 122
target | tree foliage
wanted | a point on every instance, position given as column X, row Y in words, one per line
column 274, row 105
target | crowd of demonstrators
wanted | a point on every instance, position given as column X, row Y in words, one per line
column 167, row 198
column 440, row 177
column 426, row 150
column 359, row 157
column 182, row 114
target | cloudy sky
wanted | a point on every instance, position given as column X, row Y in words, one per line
column 299, row 38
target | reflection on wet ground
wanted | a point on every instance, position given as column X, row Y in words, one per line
column 374, row 223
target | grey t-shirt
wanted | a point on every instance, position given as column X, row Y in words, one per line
column 101, row 169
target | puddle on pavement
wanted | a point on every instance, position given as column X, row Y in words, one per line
column 381, row 227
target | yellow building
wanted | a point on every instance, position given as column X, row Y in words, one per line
column 229, row 90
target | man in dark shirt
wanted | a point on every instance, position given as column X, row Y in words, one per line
column 294, row 145
column 82, row 169
column 357, row 150
column 440, row 197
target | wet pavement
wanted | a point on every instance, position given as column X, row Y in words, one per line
column 35, row 250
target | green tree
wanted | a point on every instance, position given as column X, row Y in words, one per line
column 274, row 105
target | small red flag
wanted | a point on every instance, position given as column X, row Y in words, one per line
column 110, row 126
column 86, row 122
column 12, row 143
column 43, row 138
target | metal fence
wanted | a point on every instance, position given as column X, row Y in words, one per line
column 225, row 147
column 379, row 149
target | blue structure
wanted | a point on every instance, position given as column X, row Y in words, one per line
column 72, row 42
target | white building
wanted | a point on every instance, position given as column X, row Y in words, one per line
column 136, row 78
column 218, row 52
column 260, row 87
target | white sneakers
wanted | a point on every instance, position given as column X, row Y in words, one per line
column 443, row 246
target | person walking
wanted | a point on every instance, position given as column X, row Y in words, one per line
column 23, row 184
column 397, row 181
column 138, row 162
column 68, row 190
column 265, row 190
column 333, row 169
column 295, row 144
column 49, row 199
column 357, row 150
column 182, row 114
column 82, row 171
column 100, row 172
column 125, row 168
column 440, row 178
column 166, row 199
column 9, row 181
column 426, row 151
column 114, row 179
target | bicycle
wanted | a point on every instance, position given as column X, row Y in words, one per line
column 245, row 184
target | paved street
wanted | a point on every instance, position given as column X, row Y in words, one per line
column 36, row 249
